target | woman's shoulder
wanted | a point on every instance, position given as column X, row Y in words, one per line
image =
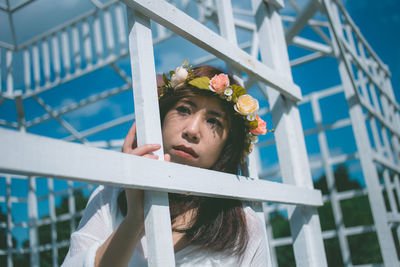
column 102, row 194
column 253, row 220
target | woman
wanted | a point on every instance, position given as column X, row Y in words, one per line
column 208, row 121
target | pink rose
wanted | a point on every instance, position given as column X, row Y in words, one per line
column 262, row 127
column 219, row 83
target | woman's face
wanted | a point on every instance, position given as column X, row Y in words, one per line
column 195, row 131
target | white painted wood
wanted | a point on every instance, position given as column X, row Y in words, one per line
column 109, row 31
column 307, row 13
column 56, row 56
column 226, row 21
column 312, row 45
column 53, row 217
column 192, row 30
column 65, row 52
column 20, row 110
column 119, row 16
column 304, row 221
column 160, row 249
column 9, row 72
column 27, row 70
column 33, row 217
column 98, row 41
column 306, row 59
column 84, row 102
column 9, row 222
column 87, row 43
column 375, row 197
column 227, row 29
column 46, row 60
column 365, row 70
column 76, row 53
column 46, row 157
column 71, row 205
column 330, row 179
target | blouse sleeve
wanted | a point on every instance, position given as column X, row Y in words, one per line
column 256, row 252
column 94, row 228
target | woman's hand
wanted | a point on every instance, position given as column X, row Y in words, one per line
column 130, row 146
column 134, row 197
column 131, row 229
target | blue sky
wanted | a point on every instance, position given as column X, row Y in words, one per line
column 379, row 22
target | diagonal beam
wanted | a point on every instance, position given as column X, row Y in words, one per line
column 84, row 102
column 11, row 21
column 103, row 127
column 63, row 122
column 302, row 20
column 177, row 21
column 19, row 105
column 312, row 45
column 21, row 5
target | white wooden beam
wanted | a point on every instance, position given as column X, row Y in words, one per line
column 302, row 20
column 30, row 154
column 304, row 221
column 160, row 249
column 182, row 24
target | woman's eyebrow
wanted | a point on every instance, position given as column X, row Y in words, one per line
column 186, row 101
column 211, row 112
column 216, row 113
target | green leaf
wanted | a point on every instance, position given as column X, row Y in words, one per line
column 166, row 80
column 201, row 83
column 253, row 124
column 237, row 91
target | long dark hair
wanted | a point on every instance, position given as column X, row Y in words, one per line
column 217, row 224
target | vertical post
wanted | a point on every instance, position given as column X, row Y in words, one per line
column 53, row 220
column 375, row 196
column 227, row 29
column 304, row 221
column 9, row 222
column 33, row 216
column 9, row 71
column 330, row 178
column 156, row 207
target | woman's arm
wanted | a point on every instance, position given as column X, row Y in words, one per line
column 119, row 247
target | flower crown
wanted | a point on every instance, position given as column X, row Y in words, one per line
column 244, row 105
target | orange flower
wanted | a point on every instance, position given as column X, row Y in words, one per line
column 262, row 127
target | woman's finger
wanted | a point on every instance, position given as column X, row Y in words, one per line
column 167, row 157
column 149, row 156
column 145, row 149
column 129, row 139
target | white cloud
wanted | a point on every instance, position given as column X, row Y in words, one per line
column 77, row 117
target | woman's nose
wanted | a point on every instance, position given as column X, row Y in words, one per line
column 192, row 130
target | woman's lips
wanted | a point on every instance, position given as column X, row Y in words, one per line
column 184, row 151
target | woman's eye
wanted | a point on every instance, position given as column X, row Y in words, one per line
column 183, row 109
column 214, row 122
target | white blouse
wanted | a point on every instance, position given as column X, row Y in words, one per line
column 102, row 216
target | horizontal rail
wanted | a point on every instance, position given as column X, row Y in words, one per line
column 182, row 24
column 24, row 153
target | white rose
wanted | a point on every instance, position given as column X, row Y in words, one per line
column 178, row 79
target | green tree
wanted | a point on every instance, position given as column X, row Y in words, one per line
column 63, row 229
column 364, row 248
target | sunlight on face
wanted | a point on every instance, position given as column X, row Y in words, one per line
column 195, row 131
